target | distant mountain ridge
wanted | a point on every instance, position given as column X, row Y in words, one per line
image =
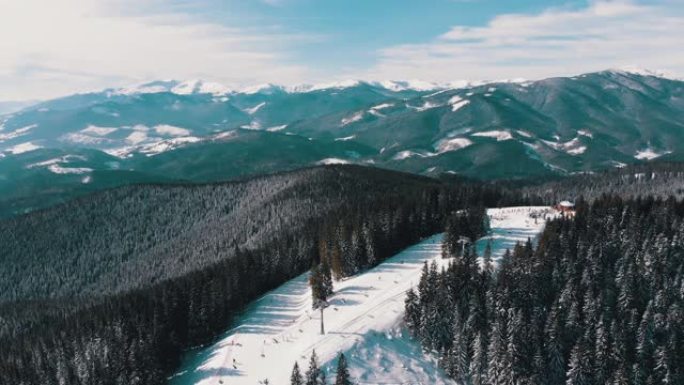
column 202, row 131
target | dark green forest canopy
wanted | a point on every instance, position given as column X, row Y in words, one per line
column 600, row 300
column 147, row 271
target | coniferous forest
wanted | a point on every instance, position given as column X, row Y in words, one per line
column 112, row 288
column 599, row 300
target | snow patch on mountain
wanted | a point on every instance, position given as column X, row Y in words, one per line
column 452, row 144
column 524, row 133
column 499, row 135
column 634, row 70
column 406, row 85
column 457, row 103
column 375, row 110
column 266, row 89
column 328, row 161
column 649, row 154
column 225, row 135
column 253, row 125
column 351, row 119
column 17, row 133
column 571, row 147
column 426, row 106
column 346, row 138
column 586, row 133
column 200, row 87
column 83, row 139
column 166, row 145
column 57, row 169
column 382, row 106
column 401, row 155
column 54, row 161
column 277, row 128
column 136, row 137
column 188, row 87
column 22, row 148
column 331, row 85
column 99, row 131
column 253, row 110
column 167, row 129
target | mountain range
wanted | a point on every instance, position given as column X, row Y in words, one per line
column 194, row 131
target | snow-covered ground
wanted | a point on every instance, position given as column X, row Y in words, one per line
column 364, row 321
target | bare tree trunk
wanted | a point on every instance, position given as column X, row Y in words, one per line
column 322, row 327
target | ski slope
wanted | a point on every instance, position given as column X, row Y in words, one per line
column 363, row 320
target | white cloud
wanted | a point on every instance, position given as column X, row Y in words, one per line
column 558, row 41
column 57, row 47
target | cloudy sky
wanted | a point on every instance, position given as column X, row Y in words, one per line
column 51, row 48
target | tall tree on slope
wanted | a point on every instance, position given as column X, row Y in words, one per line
column 343, row 377
column 296, row 377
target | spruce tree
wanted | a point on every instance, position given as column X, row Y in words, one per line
column 296, row 377
column 412, row 311
column 326, row 277
column 342, row 377
column 313, row 374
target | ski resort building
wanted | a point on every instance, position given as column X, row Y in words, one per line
column 565, row 207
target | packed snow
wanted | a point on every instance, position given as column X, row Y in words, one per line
column 363, row 321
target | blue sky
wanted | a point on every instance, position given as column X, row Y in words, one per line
column 80, row 45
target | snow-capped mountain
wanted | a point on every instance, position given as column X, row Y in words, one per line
column 197, row 130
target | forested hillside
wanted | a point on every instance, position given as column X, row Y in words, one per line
column 598, row 301
column 656, row 179
column 110, row 288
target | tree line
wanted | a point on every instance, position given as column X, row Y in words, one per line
column 599, row 300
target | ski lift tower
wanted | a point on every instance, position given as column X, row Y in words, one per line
column 321, row 304
column 463, row 240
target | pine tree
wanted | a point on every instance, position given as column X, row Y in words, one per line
column 296, row 377
column 326, row 278
column 577, row 372
column 313, row 374
column 342, row 377
column 319, row 291
column 412, row 311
